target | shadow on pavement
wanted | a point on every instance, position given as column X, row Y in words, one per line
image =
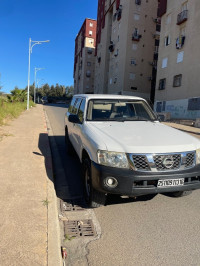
column 67, row 171
column 43, row 145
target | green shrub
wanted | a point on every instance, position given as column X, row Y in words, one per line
column 10, row 110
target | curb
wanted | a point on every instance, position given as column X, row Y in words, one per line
column 53, row 234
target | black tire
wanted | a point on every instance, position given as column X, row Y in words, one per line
column 69, row 147
column 93, row 198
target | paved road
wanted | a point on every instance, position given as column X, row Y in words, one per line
column 160, row 231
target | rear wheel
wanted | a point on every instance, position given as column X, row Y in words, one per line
column 92, row 197
column 69, row 147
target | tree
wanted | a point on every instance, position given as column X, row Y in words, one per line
column 69, row 91
column 17, row 95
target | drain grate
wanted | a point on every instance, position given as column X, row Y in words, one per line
column 73, row 205
column 79, row 228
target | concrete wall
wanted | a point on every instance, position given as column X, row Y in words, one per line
column 177, row 108
column 190, row 65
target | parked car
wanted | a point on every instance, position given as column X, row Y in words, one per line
column 125, row 150
column 44, row 100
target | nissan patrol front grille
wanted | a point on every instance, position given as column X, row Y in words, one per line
column 167, row 162
column 140, row 162
column 162, row 162
column 190, row 159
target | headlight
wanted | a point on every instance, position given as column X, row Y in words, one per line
column 113, row 159
column 198, row 156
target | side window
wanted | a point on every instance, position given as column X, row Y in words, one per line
column 71, row 105
column 81, row 111
column 76, row 106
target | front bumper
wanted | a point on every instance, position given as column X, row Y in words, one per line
column 135, row 183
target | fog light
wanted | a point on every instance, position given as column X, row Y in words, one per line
column 111, row 182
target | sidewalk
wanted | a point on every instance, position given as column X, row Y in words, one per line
column 29, row 226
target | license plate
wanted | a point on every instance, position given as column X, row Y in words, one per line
column 171, row 182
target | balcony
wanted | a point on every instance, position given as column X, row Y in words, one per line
column 136, row 37
column 182, row 17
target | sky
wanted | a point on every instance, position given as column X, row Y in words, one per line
column 56, row 20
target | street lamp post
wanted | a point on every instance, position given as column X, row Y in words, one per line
column 31, row 44
column 36, row 70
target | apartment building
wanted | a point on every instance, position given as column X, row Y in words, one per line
column 84, row 60
column 127, row 47
column 178, row 75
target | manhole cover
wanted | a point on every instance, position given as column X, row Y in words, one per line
column 73, row 205
column 79, row 228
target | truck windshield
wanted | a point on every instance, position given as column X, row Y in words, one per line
column 119, row 110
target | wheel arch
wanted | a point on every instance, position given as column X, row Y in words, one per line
column 85, row 154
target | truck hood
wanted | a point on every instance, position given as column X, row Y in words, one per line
column 142, row 137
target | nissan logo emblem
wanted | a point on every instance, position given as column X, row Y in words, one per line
column 168, row 162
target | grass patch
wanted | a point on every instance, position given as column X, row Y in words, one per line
column 45, row 202
column 11, row 110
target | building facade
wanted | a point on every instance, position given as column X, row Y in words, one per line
column 127, row 47
column 178, row 75
column 84, row 59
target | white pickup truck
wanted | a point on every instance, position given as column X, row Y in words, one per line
column 125, row 150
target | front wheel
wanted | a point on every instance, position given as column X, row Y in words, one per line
column 92, row 197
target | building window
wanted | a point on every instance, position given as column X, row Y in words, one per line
column 138, row 2
column 162, row 84
column 91, row 24
column 134, row 47
column 167, row 40
column 180, row 57
column 90, row 32
column 168, row 19
column 177, row 80
column 136, row 17
column 131, row 76
column 89, row 51
column 88, row 63
column 194, row 104
column 134, row 88
column 184, row 6
column 88, row 74
column 133, row 62
column 164, row 62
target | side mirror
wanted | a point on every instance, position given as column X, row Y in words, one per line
column 74, row 119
